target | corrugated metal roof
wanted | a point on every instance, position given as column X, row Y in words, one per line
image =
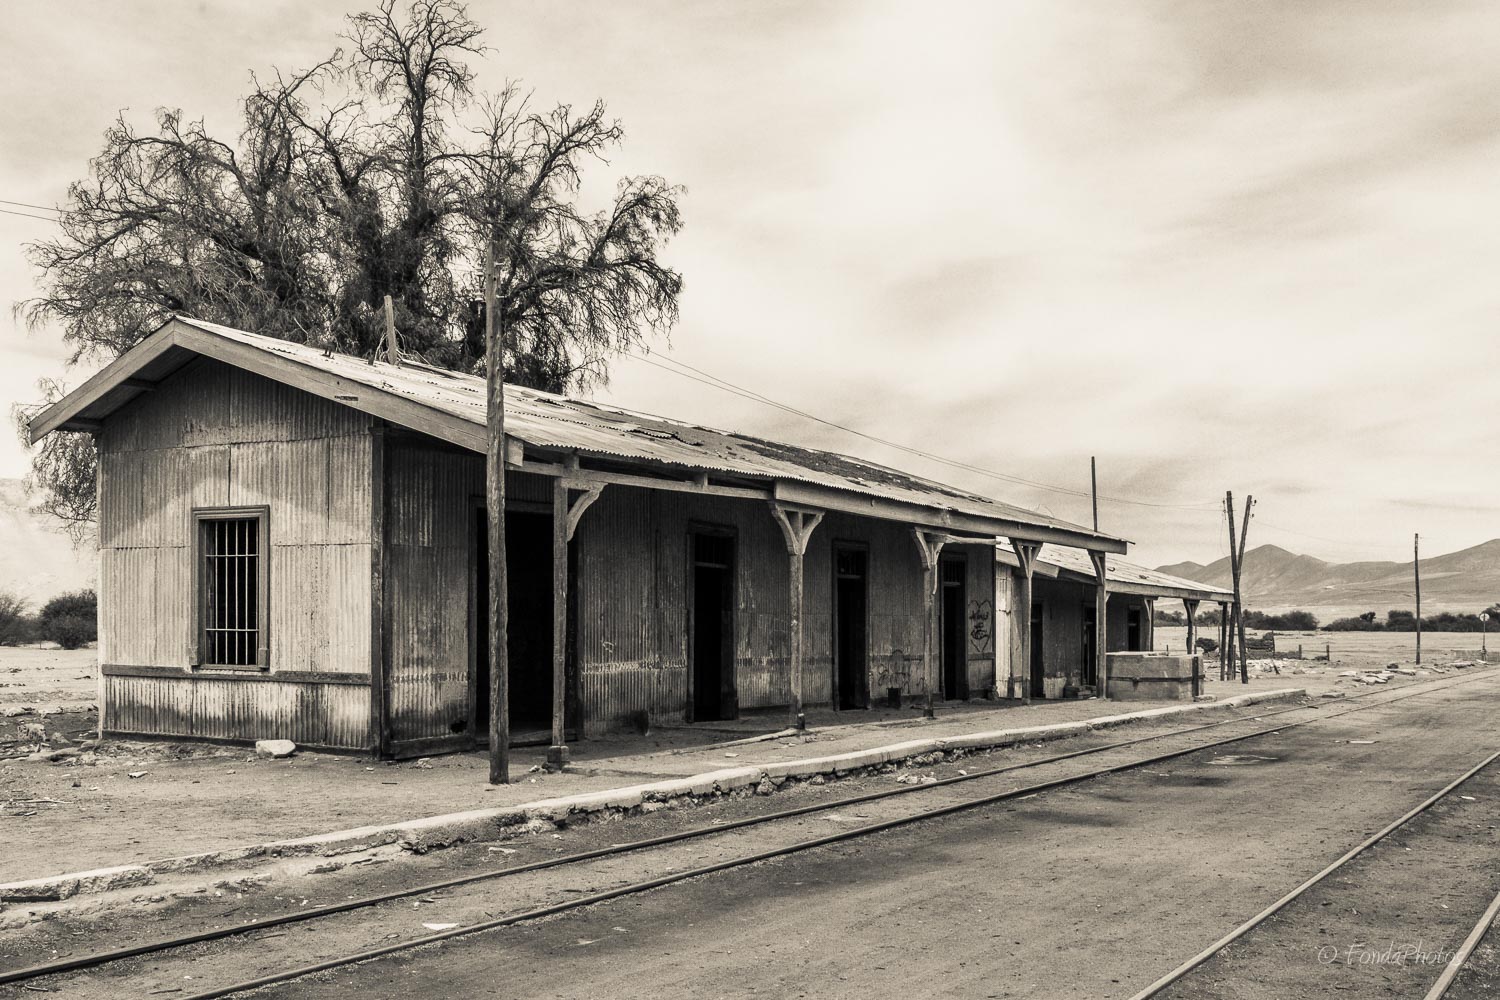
column 1119, row 571
column 549, row 421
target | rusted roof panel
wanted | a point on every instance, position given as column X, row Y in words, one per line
column 547, row 420
column 1118, row 571
column 452, row 405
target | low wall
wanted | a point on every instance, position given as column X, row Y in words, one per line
column 1152, row 676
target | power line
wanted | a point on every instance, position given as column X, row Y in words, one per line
column 725, row 385
column 28, row 215
column 27, row 204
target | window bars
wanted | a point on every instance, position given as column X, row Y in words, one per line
column 231, row 575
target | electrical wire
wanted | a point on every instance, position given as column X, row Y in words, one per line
column 27, row 204
column 699, row 375
column 28, row 215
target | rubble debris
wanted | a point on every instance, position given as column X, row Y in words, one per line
column 275, row 749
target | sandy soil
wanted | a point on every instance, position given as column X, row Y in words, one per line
column 48, row 678
column 193, row 797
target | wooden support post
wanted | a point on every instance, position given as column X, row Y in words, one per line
column 566, row 512
column 1101, row 622
column 557, row 753
column 392, row 352
column 494, row 496
column 1026, row 553
column 928, row 547
column 796, row 527
column 1192, row 644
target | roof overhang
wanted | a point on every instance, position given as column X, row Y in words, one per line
column 176, row 343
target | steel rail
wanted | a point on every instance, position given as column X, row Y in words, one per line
column 313, row 913
column 1461, row 956
column 331, row 909
column 777, row 852
column 1249, row 925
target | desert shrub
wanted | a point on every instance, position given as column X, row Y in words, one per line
column 16, row 626
column 70, row 620
column 1291, row 621
column 1363, row 623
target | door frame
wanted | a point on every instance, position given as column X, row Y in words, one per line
column 479, row 729
column 694, row 529
column 955, row 559
column 862, row 696
column 1036, row 670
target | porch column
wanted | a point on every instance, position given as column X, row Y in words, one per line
column 1026, row 553
column 796, row 527
column 1101, row 622
column 929, row 545
column 565, row 515
column 1192, row 643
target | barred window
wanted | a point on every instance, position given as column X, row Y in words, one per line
column 231, row 583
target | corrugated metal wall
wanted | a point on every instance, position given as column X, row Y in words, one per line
column 434, row 495
column 429, row 518
column 1062, row 629
column 325, row 715
column 212, row 435
column 633, row 584
column 1062, row 616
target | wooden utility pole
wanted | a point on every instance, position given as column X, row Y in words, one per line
column 1223, row 640
column 1416, row 569
column 1236, row 566
column 1240, row 611
column 1234, row 576
column 494, row 495
column 1094, row 488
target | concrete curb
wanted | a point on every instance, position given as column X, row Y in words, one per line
column 432, row 832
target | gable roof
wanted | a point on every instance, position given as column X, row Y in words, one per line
column 1123, row 577
column 451, row 407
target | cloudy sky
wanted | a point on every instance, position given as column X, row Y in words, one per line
column 1218, row 245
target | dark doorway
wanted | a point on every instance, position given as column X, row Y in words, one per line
column 1087, row 675
column 712, row 640
column 1038, row 672
column 1133, row 631
column 954, row 625
column 528, row 568
column 850, row 643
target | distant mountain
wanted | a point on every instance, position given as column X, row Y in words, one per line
column 1275, row 579
column 36, row 560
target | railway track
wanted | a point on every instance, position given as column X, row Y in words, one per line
column 1182, row 971
column 1368, row 701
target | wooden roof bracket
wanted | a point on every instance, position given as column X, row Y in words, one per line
column 796, row 524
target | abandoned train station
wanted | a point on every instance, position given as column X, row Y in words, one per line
column 292, row 545
column 1059, row 656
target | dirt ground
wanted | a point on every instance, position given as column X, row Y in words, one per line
column 1084, row 892
column 44, row 678
column 1350, row 650
column 121, row 801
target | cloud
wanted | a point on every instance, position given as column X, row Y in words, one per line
column 1218, row 245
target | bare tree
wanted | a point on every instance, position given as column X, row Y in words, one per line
column 379, row 171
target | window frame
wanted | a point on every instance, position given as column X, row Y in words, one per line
column 201, row 518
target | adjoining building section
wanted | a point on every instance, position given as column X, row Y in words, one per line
column 1054, row 651
column 293, row 544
